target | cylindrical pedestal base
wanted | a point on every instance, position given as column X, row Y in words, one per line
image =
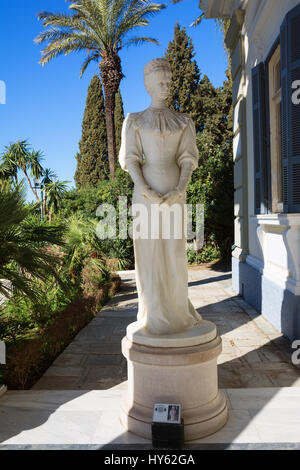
column 185, row 375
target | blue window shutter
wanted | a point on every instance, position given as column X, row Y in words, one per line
column 290, row 71
column 259, row 139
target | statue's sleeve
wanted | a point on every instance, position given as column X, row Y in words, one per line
column 131, row 146
column 187, row 148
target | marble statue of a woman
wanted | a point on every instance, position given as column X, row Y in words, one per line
column 159, row 151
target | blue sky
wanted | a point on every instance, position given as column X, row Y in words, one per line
column 45, row 104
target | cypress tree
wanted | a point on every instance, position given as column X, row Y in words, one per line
column 211, row 111
column 119, row 118
column 92, row 159
column 203, row 104
column 185, row 72
column 212, row 181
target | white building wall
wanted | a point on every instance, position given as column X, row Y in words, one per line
column 268, row 246
column 266, row 258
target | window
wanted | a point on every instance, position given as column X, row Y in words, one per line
column 276, row 123
column 274, row 69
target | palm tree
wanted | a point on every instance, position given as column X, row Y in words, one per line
column 54, row 192
column 35, row 158
column 8, row 175
column 19, row 155
column 22, row 254
column 98, row 27
column 47, row 177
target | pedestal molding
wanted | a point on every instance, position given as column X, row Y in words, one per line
column 171, row 356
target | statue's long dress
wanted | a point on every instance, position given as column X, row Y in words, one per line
column 161, row 140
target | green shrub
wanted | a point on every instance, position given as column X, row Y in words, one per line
column 83, row 203
column 94, row 274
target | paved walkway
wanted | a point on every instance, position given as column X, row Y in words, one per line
column 264, row 418
column 76, row 403
column 254, row 353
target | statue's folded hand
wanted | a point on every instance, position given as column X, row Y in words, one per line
column 153, row 196
column 172, row 197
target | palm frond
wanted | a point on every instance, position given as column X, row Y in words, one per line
column 23, row 254
column 138, row 41
column 48, row 176
column 87, row 61
column 136, row 17
column 63, row 20
column 36, row 157
column 17, row 154
column 94, row 25
column 66, row 46
column 19, row 283
column 43, row 233
column 12, row 209
column 198, row 20
column 97, row 27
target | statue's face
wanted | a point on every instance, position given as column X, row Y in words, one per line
column 158, row 84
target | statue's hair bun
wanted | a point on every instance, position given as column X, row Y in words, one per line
column 156, row 65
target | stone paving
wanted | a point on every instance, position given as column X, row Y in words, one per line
column 255, row 355
column 259, row 418
column 76, row 404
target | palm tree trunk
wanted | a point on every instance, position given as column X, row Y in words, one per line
column 29, row 182
column 44, row 204
column 111, row 75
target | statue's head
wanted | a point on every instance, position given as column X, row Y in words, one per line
column 157, row 78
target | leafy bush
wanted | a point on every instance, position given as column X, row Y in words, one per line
column 84, row 202
column 94, row 274
column 205, row 255
column 30, row 355
column 212, row 186
column 21, row 313
column 81, row 271
column 82, row 205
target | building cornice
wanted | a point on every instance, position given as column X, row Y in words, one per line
column 218, row 8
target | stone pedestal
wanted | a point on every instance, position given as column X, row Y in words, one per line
column 174, row 369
